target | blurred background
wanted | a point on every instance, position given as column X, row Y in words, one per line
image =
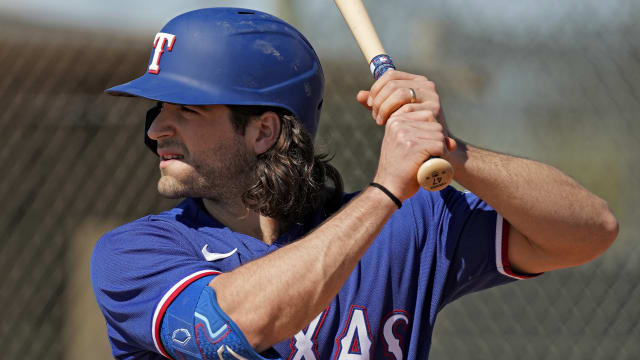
column 554, row 81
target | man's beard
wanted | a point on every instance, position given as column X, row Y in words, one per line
column 221, row 173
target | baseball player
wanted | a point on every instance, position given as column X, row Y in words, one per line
column 266, row 257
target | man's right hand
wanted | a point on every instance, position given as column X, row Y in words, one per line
column 410, row 139
column 414, row 131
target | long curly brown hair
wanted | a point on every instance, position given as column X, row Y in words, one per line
column 291, row 181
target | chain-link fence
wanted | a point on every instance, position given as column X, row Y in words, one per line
column 74, row 166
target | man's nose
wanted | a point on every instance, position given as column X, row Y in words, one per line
column 162, row 126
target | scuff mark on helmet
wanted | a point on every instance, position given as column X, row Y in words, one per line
column 267, row 48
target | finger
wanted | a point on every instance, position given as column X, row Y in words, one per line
column 417, row 107
column 362, row 98
column 409, row 108
column 428, row 105
column 389, row 88
column 417, row 117
column 452, row 145
column 397, row 93
column 388, row 76
column 394, row 101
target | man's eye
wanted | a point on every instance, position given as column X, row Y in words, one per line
column 188, row 109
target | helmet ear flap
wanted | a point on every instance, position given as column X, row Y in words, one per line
column 152, row 114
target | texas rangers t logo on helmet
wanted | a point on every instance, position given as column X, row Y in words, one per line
column 159, row 42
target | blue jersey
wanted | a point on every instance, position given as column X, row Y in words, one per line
column 436, row 248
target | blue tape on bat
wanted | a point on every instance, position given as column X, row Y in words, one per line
column 380, row 64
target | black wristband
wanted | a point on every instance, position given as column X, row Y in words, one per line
column 389, row 194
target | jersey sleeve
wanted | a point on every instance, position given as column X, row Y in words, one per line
column 467, row 240
column 136, row 271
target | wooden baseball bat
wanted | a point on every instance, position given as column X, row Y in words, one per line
column 436, row 173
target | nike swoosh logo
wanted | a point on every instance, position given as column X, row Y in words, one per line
column 209, row 256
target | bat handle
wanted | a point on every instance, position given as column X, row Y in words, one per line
column 435, row 173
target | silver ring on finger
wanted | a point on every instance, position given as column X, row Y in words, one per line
column 413, row 95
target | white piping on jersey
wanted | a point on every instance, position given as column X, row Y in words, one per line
column 499, row 262
column 209, row 256
column 167, row 295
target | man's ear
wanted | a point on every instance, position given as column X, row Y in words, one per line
column 266, row 131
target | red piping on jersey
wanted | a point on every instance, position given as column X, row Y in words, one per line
column 168, row 302
column 506, row 265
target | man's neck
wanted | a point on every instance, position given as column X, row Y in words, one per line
column 240, row 219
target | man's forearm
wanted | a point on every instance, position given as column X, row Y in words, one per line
column 567, row 224
column 297, row 282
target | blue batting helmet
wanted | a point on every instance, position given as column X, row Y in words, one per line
column 231, row 56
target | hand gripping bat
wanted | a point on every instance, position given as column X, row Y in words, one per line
column 436, row 173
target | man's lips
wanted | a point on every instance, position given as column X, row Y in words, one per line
column 167, row 157
column 170, row 155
